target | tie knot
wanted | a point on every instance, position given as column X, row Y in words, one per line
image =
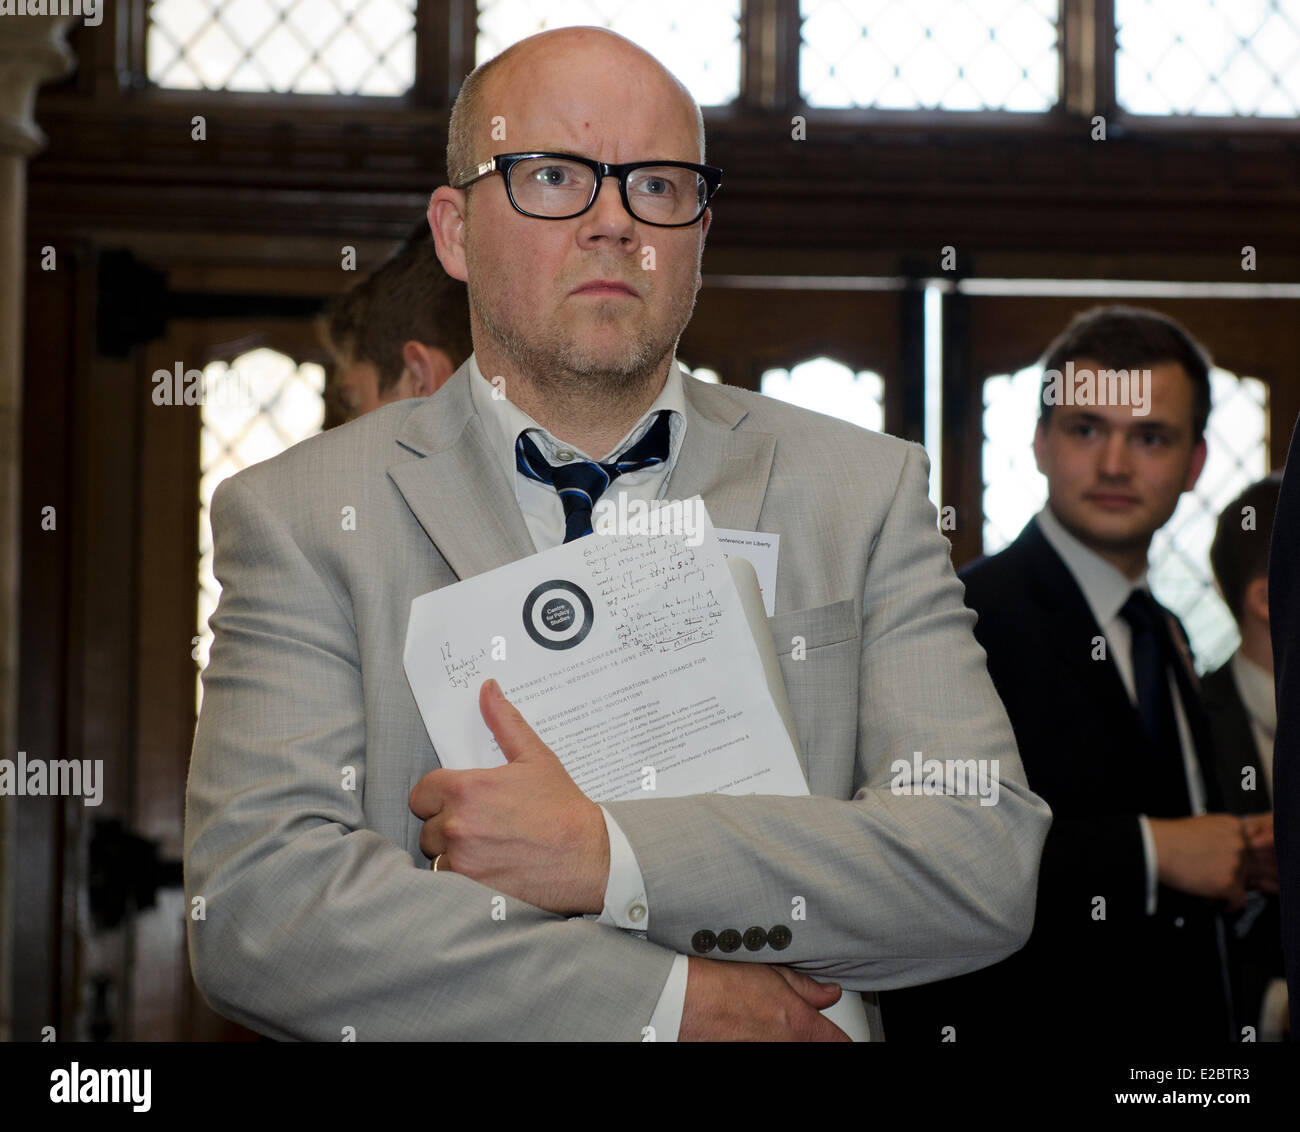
column 580, row 483
column 1141, row 611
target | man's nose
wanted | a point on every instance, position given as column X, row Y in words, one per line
column 607, row 216
column 1115, row 455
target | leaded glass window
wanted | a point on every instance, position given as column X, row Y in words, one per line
column 827, row 386
column 253, row 408
column 1214, row 57
column 300, row 46
column 698, row 42
column 936, row 55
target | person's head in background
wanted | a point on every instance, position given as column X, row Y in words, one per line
column 1239, row 558
column 1116, row 465
column 400, row 333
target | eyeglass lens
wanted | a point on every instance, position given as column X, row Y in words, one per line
column 658, row 194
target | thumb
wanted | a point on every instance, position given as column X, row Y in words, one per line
column 814, row 993
column 508, row 727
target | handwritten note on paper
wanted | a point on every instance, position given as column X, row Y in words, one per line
column 658, row 597
column 462, row 671
column 622, row 652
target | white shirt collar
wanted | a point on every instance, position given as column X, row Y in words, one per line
column 504, row 421
column 1257, row 692
column 1105, row 587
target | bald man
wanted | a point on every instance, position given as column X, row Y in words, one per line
column 576, row 211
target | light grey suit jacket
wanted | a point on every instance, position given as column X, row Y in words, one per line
column 320, row 910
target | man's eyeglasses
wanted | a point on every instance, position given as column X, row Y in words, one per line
column 559, row 186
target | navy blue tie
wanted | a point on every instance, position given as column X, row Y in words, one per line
column 580, row 483
column 1153, row 653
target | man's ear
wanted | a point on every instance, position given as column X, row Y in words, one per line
column 1255, row 599
column 704, row 232
column 428, row 366
column 1040, row 444
column 447, row 222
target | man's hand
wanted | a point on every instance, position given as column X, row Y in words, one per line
column 1261, row 857
column 755, row 1002
column 1204, row 855
column 524, row 829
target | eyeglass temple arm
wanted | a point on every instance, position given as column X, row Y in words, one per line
column 480, row 170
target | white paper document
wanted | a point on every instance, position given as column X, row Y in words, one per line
column 625, row 654
column 759, row 549
column 632, row 657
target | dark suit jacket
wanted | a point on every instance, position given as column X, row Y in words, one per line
column 1233, row 744
column 1284, row 626
column 1254, row 935
column 1081, row 977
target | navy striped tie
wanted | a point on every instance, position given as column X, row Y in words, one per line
column 580, row 483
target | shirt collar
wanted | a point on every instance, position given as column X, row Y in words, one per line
column 1105, row 587
column 504, row 421
column 1257, row 692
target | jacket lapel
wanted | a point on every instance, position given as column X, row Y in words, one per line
column 727, row 467
column 454, row 486
column 1058, row 595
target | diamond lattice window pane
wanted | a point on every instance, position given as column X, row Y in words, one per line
column 254, row 408
column 827, row 386
column 699, row 43
column 1236, row 437
column 299, row 46
column 937, row 55
column 1210, row 57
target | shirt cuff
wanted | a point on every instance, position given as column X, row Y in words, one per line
column 1149, row 852
column 625, row 902
column 666, row 1021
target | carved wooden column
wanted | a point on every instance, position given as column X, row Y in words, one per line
column 32, row 51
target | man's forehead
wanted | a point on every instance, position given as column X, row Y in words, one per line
column 1117, row 416
column 602, row 98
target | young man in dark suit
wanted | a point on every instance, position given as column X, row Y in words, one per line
column 1238, row 699
column 1096, row 676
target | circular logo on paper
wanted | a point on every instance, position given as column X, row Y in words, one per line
column 558, row 615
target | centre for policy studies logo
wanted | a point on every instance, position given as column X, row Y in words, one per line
column 558, row 614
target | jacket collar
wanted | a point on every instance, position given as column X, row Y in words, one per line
column 448, row 475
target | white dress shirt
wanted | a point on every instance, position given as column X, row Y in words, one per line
column 1106, row 589
column 1255, row 686
column 626, row 905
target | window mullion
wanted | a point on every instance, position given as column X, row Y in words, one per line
column 769, row 68
column 1088, row 57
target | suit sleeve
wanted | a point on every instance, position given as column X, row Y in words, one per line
column 313, row 926
column 893, row 888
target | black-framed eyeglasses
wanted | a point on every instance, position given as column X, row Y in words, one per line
column 560, row 186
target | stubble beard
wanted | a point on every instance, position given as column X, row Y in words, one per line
column 562, row 370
